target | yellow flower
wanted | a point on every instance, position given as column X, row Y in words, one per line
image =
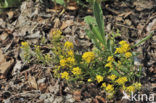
column 109, row 65
column 65, row 75
column 137, row 85
column 47, row 57
column 110, row 59
column 118, row 50
column 89, row 80
column 103, row 85
column 112, row 77
column 119, row 63
column 130, row 89
column 68, row 45
column 63, row 62
column 99, row 78
column 70, row 53
column 110, row 69
column 110, row 95
column 71, row 61
column 121, row 80
column 88, row 56
column 128, row 54
column 109, row 88
column 37, row 48
column 122, row 42
column 61, row 56
column 76, row 71
column 57, row 32
column 124, row 47
column 24, row 43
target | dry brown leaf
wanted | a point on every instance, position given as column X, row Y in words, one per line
column 57, row 23
column 95, row 101
column 77, row 95
column 66, row 24
column 125, row 14
column 3, row 36
column 72, row 5
column 118, row 18
column 10, row 14
column 151, row 26
column 71, row 8
column 53, row 10
column 42, row 87
column 32, row 82
column 5, row 66
column 101, row 99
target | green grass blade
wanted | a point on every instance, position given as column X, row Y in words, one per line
column 99, row 19
column 144, row 39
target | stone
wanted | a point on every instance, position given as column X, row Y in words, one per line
column 69, row 98
column 58, row 99
column 41, row 81
column 43, row 96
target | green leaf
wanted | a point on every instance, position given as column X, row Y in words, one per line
column 125, row 70
column 9, row 3
column 99, row 19
column 115, row 73
column 144, row 39
column 97, row 34
column 61, row 2
column 92, row 37
column 109, row 44
column 90, row 20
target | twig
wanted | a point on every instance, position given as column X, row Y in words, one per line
column 126, row 26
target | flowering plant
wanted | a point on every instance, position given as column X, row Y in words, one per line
column 109, row 64
column 115, row 60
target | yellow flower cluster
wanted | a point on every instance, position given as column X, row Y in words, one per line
column 89, row 80
column 68, row 45
column 130, row 89
column 37, row 48
column 47, row 57
column 128, row 54
column 67, row 59
column 121, row 80
column 137, row 85
column 110, row 59
column 70, row 53
column 65, row 75
column 103, row 85
column 109, row 88
column 70, row 61
column 88, row 57
column 56, row 34
column 112, row 77
column 24, row 44
column 63, row 62
column 76, row 71
column 109, row 65
column 124, row 47
column 133, row 87
column 99, row 78
column 119, row 63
